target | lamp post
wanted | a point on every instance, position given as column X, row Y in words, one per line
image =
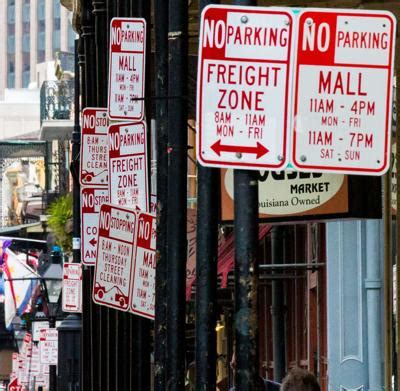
column 51, row 273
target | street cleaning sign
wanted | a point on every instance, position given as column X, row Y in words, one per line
column 91, row 200
column 127, row 69
column 128, row 185
column 94, row 154
column 244, row 87
column 72, row 287
column 343, row 91
column 143, row 287
column 48, row 346
column 115, row 249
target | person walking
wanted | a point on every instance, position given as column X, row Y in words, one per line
column 300, row 380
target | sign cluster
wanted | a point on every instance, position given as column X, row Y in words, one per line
column 30, row 367
column 118, row 230
column 313, row 89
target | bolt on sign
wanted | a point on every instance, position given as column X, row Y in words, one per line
column 127, row 69
column 48, row 346
column 144, row 274
column 127, row 163
column 115, row 249
column 91, row 200
column 94, row 155
column 343, row 91
column 244, row 87
column 72, row 287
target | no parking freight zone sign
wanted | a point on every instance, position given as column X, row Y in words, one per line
column 243, row 93
column 343, row 94
column 128, row 165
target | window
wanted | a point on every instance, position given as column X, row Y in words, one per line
column 25, row 79
column 56, row 9
column 41, row 13
column 26, row 13
column 11, row 80
column 56, row 40
column 71, row 39
column 11, row 44
column 26, row 43
column 11, row 14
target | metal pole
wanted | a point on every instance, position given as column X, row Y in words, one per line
column 397, row 132
column 142, row 325
column 177, row 174
column 388, row 281
column 246, row 273
column 52, row 368
column 91, row 315
column 277, row 307
column 161, row 108
column 246, row 279
column 208, row 200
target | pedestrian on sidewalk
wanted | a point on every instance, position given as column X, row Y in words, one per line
column 300, row 380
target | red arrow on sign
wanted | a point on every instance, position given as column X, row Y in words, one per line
column 259, row 150
column 93, row 242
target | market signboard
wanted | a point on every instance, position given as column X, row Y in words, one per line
column 289, row 194
column 143, row 286
column 127, row 69
column 94, row 154
column 91, row 200
column 128, row 169
column 343, row 91
column 244, row 87
column 115, row 249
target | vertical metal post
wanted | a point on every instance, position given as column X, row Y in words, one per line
column 208, row 200
column 142, row 325
column 177, row 194
column 277, row 307
column 246, row 272
column 246, row 278
column 388, row 281
column 91, row 319
column 107, row 316
column 397, row 131
column 161, row 108
column 52, row 368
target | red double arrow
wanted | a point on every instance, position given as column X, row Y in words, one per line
column 259, row 149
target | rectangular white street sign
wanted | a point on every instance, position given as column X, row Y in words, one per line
column 244, row 87
column 115, row 249
column 343, row 91
column 48, row 346
column 91, row 200
column 72, row 287
column 129, row 182
column 127, row 69
column 36, row 327
column 94, row 155
column 143, row 286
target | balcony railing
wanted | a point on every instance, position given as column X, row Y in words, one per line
column 56, row 100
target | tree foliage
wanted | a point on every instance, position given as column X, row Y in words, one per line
column 59, row 221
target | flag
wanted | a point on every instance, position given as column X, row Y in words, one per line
column 4, row 244
column 20, row 282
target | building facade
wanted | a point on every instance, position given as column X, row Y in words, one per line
column 31, row 33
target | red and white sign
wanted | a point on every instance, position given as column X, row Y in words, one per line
column 91, row 200
column 94, row 155
column 35, row 361
column 14, row 385
column 128, row 184
column 143, row 287
column 72, row 287
column 48, row 346
column 115, row 248
column 244, row 87
column 36, row 327
column 127, row 68
column 343, row 91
